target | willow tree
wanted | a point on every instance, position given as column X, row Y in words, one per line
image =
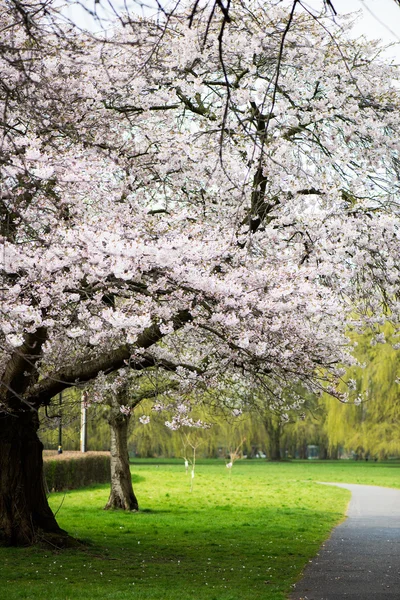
column 367, row 422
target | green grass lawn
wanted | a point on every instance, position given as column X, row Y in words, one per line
column 244, row 536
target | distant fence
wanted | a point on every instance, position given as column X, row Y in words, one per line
column 73, row 470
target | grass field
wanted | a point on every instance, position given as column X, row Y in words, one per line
column 244, row 536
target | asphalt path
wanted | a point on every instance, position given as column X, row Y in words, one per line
column 361, row 559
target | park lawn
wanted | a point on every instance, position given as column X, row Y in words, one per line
column 244, row 536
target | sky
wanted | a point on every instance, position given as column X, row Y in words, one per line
column 377, row 19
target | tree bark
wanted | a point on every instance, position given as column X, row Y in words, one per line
column 334, row 453
column 121, row 493
column 274, row 431
column 274, row 445
column 25, row 515
column 303, row 451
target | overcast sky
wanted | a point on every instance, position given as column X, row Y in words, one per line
column 378, row 18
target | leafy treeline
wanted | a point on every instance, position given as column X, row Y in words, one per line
column 369, row 426
column 366, row 426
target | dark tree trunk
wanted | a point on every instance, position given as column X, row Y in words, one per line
column 274, row 445
column 334, row 453
column 25, row 515
column 303, row 451
column 121, row 494
column 323, row 453
column 274, row 431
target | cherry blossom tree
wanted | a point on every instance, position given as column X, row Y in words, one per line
column 161, row 204
column 120, row 394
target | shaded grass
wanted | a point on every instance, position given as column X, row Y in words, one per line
column 239, row 537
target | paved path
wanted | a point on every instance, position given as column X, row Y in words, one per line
column 361, row 559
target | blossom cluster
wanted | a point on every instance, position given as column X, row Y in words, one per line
column 139, row 186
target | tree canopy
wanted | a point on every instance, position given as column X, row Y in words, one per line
column 233, row 197
column 146, row 187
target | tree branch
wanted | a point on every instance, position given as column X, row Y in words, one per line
column 21, row 370
column 84, row 371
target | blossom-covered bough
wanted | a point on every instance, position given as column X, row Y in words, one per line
column 161, row 207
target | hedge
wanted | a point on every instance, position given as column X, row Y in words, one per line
column 73, row 470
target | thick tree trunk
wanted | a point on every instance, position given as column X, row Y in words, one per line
column 334, row 453
column 323, row 452
column 274, row 445
column 121, row 494
column 25, row 515
column 303, row 451
column 274, row 431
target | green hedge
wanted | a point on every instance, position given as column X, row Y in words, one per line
column 73, row 473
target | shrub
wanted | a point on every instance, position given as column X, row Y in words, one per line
column 73, row 470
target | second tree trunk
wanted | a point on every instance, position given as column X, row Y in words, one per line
column 121, row 494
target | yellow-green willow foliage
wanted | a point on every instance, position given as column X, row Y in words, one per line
column 299, row 433
column 258, row 431
column 224, row 435
column 371, row 427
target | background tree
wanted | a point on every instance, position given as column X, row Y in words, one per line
column 367, row 423
column 121, row 394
